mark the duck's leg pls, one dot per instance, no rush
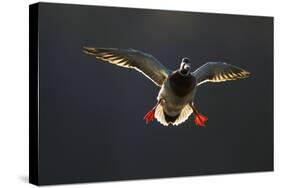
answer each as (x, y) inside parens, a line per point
(198, 117)
(149, 116)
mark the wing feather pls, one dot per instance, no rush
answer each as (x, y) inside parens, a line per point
(218, 72)
(130, 58)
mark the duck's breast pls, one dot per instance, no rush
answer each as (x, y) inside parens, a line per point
(177, 94)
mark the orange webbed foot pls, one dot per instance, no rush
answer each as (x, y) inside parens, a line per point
(200, 119)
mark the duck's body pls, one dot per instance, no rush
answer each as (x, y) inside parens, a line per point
(176, 94)
(175, 100)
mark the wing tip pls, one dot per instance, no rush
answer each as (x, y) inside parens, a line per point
(89, 50)
(245, 73)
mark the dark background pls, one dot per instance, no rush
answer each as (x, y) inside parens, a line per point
(90, 112)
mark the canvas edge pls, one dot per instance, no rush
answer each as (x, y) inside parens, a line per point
(154, 9)
(33, 94)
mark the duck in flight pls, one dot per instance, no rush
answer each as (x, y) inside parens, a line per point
(175, 100)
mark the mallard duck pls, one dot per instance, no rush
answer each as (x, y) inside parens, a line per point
(175, 100)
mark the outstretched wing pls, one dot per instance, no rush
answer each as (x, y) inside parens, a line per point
(218, 72)
(142, 62)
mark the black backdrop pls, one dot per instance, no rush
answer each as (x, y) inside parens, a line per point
(90, 112)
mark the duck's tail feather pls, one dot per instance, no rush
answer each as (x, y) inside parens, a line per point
(166, 119)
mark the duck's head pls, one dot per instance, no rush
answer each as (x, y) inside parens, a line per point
(185, 67)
